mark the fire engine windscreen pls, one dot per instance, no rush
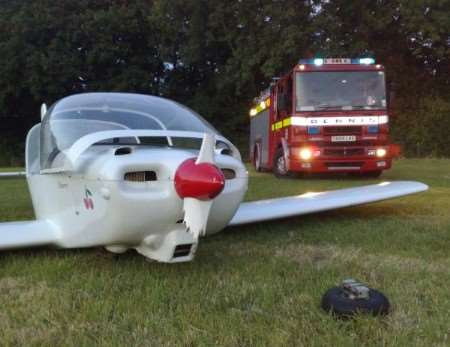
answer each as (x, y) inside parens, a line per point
(340, 90)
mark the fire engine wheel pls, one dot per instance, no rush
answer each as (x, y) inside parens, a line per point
(373, 174)
(279, 165)
(257, 159)
(336, 302)
(368, 174)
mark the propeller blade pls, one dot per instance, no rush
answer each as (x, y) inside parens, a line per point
(198, 183)
(206, 154)
(196, 215)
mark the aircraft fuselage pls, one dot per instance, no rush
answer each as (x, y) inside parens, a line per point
(124, 197)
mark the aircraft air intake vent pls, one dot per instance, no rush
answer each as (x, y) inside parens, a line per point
(122, 151)
(140, 176)
(182, 250)
(229, 174)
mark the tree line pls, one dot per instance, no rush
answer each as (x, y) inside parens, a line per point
(216, 56)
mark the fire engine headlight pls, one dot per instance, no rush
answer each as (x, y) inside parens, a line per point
(305, 153)
(381, 152)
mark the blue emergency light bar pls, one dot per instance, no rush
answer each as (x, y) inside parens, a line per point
(327, 61)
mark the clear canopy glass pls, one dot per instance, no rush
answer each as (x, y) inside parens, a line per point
(76, 116)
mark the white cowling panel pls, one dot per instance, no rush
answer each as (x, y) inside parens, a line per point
(80, 146)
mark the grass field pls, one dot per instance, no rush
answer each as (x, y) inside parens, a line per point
(258, 285)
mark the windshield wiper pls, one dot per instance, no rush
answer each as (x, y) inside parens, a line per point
(359, 107)
(328, 107)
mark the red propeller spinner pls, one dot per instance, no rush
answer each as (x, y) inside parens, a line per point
(203, 181)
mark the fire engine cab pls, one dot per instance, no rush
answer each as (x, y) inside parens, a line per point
(325, 115)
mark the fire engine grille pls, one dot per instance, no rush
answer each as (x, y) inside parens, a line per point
(342, 130)
(343, 152)
(346, 164)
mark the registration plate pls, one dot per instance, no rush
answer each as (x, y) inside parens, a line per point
(346, 138)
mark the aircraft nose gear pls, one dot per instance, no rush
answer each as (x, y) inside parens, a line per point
(353, 297)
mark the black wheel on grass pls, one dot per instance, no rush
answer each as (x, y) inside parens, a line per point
(279, 164)
(336, 302)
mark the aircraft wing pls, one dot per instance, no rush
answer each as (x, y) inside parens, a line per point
(27, 234)
(12, 174)
(262, 210)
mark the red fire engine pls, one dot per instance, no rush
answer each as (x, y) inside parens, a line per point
(325, 115)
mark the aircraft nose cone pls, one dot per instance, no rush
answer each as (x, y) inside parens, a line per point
(202, 181)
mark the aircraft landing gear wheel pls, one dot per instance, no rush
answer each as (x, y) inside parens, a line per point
(279, 165)
(257, 159)
(353, 297)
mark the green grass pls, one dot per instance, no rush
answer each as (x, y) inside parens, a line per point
(258, 285)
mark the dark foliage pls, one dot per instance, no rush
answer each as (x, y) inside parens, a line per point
(215, 56)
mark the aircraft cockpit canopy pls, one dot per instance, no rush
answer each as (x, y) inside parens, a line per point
(76, 116)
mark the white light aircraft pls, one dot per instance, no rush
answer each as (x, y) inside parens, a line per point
(125, 171)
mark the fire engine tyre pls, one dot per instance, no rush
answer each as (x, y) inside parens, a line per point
(257, 159)
(372, 174)
(335, 301)
(279, 164)
(369, 174)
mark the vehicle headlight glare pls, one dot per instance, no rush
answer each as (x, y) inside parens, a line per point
(318, 61)
(367, 61)
(305, 153)
(381, 152)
